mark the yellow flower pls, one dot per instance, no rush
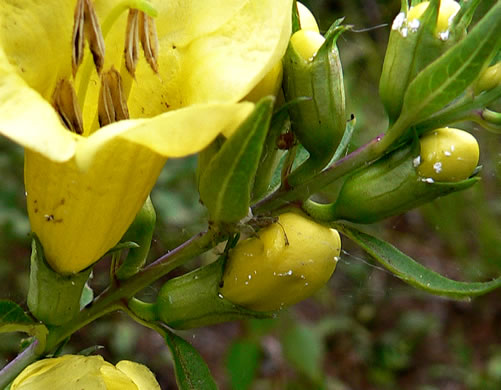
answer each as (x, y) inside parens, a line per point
(288, 262)
(83, 191)
(85, 372)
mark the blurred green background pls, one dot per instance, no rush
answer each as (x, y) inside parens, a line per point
(366, 329)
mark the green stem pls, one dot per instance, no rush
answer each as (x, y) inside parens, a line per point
(115, 297)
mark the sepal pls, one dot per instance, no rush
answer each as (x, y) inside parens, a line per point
(193, 300)
(53, 298)
(318, 122)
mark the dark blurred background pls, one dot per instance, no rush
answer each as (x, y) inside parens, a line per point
(366, 329)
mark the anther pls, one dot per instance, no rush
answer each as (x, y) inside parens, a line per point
(112, 102)
(86, 25)
(66, 104)
(131, 41)
(149, 40)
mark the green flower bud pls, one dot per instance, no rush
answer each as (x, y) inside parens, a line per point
(312, 69)
(405, 178)
(417, 38)
(285, 264)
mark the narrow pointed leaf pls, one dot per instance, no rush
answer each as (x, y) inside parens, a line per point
(414, 273)
(14, 319)
(446, 78)
(226, 184)
(191, 371)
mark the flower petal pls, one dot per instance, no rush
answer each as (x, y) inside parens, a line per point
(29, 120)
(81, 208)
(210, 51)
(227, 64)
(36, 37)
(175, 133)
(65, 372)
(115, 379)
(140, 375)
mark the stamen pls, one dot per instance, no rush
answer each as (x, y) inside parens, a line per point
(149, 39)
(86, 24)
(131, 41)
(94, 35)
(66, 104)
(112, 102)
(78, 37)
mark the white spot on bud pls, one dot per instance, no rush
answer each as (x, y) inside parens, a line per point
(444, 35)
(437, 167)
(220, 295)
(428, 180)
(398, 22)
(404, 31)
(416, 162)
(414, 25)
(447, 153)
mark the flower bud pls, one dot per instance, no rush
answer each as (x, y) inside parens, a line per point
(448, 155)
(448, 9)
(285, 264)
(489, 78)
(405, 178)
(306, 18)
(312, 70)
(84, 372)
(418, 37)
(140, 232)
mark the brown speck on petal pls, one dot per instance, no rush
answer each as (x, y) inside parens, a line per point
(112, 102)
(131, 41)
(149, 40)
(66, 104)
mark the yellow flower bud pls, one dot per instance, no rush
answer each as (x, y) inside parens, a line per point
(306, 18)
(489, 78)
(306, 43)
(85, 372)
(448, 155)
(448, 9)
(287, 263)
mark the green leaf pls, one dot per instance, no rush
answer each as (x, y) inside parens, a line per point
(191, 371)
(242, 363)
(304, 350)
(14, 319)
(414, 273)
(11, 312)
(448, 77)
(226, 184)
